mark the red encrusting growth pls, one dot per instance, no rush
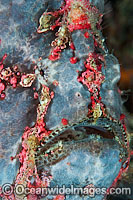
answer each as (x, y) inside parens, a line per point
(8, 76)
(36, 95)
(13, 82)
(55, 54)
(72, 46)
(86, 34)
(73, 60)
(3, 58)
(2, 87)
(92, 77)
(59, 197)
(73, 27)
(2, 96)
(55, 83)
(64, 121)
(122, 118)
(11, 76)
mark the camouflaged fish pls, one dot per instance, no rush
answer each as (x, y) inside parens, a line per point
(77, 133)
(87, 77)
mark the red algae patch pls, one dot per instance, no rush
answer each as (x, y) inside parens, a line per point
(64, 121)
(86, 34)
(73, 60)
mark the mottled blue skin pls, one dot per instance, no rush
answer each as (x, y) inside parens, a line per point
(87, 167)
(109, 90)
(16, 112)
(19, 22)
(66, 103)
(81, 160)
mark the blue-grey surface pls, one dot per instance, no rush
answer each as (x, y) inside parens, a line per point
(16, 112)
(71, 98)
(81, 160)
(18, 25)
(89, 163)
(109, 90)
(19, 21)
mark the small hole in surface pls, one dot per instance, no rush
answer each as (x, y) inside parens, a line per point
(78, 94)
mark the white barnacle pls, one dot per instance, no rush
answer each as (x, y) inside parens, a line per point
(97, 111)
(45, 23)
(27, 80)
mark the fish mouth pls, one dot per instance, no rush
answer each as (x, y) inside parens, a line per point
(62, 141)
(75, 133)
(102, 128)
(94, 130)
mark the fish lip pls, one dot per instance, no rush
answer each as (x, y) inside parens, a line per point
(58, 138)
(97, 130)
(104, 127)
(104, 124)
